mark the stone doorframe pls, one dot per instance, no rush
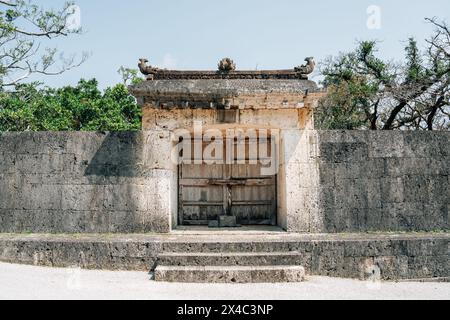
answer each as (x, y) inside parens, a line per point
(274, 133)
(297, 180)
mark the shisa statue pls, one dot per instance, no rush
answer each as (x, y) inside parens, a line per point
(307, 68)
(147, 69)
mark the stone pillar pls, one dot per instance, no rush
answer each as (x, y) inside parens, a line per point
(298, 181)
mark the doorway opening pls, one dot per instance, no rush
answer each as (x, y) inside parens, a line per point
(236, 186)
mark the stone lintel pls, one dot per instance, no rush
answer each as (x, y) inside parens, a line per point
(254, 101)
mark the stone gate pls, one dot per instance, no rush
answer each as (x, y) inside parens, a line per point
(264, 114)
(229, 148)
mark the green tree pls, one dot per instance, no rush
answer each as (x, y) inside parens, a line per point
(366, 92)
(130, 76)
(80, 108)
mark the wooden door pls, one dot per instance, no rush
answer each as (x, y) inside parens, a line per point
(207, 191)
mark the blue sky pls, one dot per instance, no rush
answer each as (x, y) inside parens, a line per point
(263, 34)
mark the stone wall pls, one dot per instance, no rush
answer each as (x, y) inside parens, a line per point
(383, 181)
(85, 182)
(328, 182)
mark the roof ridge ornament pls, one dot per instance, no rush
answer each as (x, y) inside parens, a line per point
(226, 65)
(147, 69)
(227, 70)
(307, 68)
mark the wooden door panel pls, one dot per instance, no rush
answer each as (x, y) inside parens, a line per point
(202, 194)
(252, 193)
(253, 215)
(200, 215)
(196, 171)
(204, 191)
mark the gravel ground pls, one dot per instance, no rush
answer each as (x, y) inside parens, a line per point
(27, 282)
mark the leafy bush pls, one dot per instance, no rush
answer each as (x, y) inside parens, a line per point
(80, 108)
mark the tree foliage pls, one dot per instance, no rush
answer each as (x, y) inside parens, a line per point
(25, 29)
(80, 108)
(130, 76)
(365, 91)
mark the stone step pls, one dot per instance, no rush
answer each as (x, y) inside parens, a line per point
(233, 259)
(230, 274)
(247, 246)
(393, 256)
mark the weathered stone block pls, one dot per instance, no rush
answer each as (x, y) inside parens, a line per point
(392, 190)
(125, 197)
(351, 193)
(227, 222)
(419, 144)
(344, 152)
(83, 197)
(417, 187)
(213, 224)
(41, 163)
(39, 196)
(386, 144)
(7, 161)
(392, 267)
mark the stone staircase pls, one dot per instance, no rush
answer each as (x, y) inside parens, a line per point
(230, 263)
(238, 257)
